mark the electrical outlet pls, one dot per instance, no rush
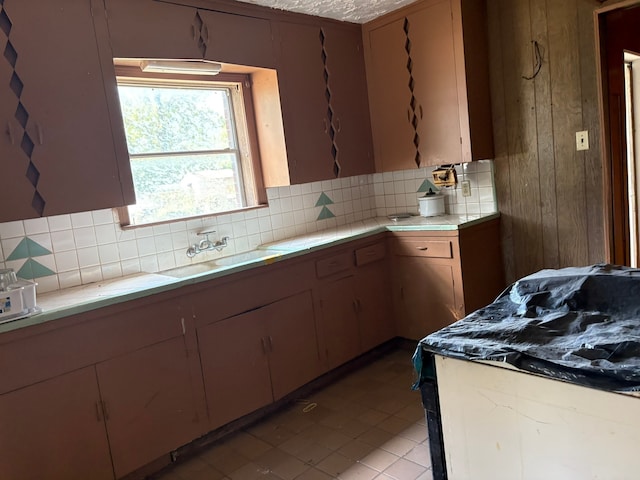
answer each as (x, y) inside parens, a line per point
(466, 188)
(582, 140)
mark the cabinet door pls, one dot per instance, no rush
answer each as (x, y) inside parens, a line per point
(64, 132)
(373, 291)
(339, 321)
(237, 39)
(293, 357)
(151, 29)
(424, 296)
(54, 430)
(304, 103)
(150, 404)
(430, 32)
(390, 98)
(17, 193)
(233, 353)
(347, 86)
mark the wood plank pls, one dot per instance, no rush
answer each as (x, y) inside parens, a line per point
(593, 160)
(544, 128)
(567, 119)
(501, 159)
(521, 136)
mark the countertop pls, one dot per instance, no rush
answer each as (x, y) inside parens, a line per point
(75, 300)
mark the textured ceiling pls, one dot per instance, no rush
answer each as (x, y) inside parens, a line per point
(357, 11)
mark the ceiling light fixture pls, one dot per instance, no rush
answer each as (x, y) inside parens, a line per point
(184, 67)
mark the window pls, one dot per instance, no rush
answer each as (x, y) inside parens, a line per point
(189, 140)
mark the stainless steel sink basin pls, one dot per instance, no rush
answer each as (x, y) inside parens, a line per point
(219, 264)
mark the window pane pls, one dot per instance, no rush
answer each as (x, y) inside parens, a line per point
(170, 187)
(171, 119)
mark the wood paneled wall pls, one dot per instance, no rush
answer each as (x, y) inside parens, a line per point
(550, 195)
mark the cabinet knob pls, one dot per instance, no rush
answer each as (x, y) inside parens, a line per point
(423, 249)
(338, 125)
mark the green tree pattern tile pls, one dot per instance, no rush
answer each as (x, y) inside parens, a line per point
(426, 186)
(325, 213)
(323, 200)
(28, 248)
(32, 270)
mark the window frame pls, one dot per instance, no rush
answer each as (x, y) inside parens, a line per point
(245, 127)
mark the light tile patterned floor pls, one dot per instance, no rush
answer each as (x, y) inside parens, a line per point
(368, 425)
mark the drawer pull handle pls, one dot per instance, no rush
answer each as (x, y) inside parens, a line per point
(423, 249)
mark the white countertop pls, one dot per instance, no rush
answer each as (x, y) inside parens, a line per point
(71, 301)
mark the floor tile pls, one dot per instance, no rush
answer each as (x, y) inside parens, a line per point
(358, 472)
(380, 459)
(314, 474)
(335, 464)
(405, 470)
(399, 446)
(367, 425)
(415, 432)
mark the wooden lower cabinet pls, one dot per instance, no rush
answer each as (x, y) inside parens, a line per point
(340, 328)
(426, 296)
(293, 344)
(107, 393)
(439, 277)
(149, 404)
(355, 302)
(375, 315)
(254, 358)
(234, 367)
(55, 430)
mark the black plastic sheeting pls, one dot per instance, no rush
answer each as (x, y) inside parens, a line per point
(580, 325)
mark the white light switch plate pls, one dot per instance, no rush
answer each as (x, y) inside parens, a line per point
(582, 140)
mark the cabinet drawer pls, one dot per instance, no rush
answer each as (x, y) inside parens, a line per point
(370, 253)
(424, 248)
(334, 264)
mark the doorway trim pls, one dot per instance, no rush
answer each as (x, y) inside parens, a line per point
(612, 253)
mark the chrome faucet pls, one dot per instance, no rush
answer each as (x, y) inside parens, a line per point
(206, 244)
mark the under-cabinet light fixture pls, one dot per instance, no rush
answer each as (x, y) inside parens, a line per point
(188, 67)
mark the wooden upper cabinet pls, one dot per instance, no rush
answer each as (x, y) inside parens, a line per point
(151, 29)
(347, 87)
(237, 39)
(304, 102)
(427, 70)
(63, 155)
(324, 103)
(390, 97)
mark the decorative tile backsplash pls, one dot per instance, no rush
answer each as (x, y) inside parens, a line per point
(69, 250)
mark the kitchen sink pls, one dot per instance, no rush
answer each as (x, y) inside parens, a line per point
(219, 264)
